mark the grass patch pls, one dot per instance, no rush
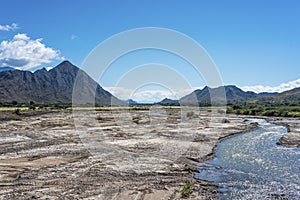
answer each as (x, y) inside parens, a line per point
(186, 191)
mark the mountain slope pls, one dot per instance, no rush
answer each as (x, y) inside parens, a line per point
(235, 94)
(217, 95)
(54, 86)
(131, 102)
(288, 96)
(169, 102)
(267, 94)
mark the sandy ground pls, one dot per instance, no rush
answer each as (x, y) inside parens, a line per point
(110, 155)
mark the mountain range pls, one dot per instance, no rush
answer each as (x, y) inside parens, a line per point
(289, 96)
(221, 95)
(66, 84)
(52, 87)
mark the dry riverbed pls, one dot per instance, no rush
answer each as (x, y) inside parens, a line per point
(110, 155)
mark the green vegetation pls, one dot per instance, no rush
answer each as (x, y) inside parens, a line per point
(261, 107)
(146, 107)
(7, 106)
(186, 191)
(283, 109)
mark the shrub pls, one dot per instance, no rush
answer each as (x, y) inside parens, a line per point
(31, 107)
(186, 191)
(17, 111)
(245, 112)
(294, 114)
(229, 110)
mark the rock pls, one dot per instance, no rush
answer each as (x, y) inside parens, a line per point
(291, 139)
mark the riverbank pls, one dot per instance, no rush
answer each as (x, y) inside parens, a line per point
(253, 166)
(292, 138)
(44, 156)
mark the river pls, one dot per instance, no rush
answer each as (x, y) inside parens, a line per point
(252, 166)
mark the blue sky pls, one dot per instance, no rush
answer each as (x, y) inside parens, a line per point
(253, 43)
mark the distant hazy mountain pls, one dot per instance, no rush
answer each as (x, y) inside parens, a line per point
(131, 102)
(288, 96)
(54, 86)
(208, 95)
(169, 102)
(267, 94)
(231, 92)
(6, 69)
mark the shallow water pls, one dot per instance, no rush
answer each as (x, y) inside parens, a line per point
(252, 166)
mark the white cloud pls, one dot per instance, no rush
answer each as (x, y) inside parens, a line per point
(25, 53)
(11, 27)
(148, 96)
(152, 95)
(20, 36)
(280, 88)
(120, 92)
